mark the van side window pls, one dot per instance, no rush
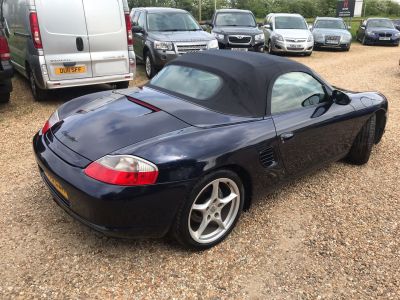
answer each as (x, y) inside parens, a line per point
(296, 90)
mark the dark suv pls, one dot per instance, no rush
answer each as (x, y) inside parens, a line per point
(6, 70)
(162, 34)
(237, 29)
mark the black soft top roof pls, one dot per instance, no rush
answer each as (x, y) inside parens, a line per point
(246, 77)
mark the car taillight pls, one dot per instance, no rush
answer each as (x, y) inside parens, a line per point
(4, 50)
(50, 122)
(129, 29)
(37, 40)
(125, 170)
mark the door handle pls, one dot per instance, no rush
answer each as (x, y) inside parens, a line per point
(286, 136)
(79, 44)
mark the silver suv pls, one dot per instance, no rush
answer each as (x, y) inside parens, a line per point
(288, 33)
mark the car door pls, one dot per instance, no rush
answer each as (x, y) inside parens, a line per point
(140, 37)
(105, 21)
(311, 129)
(65, 39)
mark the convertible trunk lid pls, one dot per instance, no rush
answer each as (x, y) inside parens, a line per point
(101, 126)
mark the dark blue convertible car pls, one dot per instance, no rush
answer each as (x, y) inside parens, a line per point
(182, 155)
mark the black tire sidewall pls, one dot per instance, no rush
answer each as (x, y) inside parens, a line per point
(180, 228)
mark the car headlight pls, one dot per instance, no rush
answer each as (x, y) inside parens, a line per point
(278, 37)
(163, 45)
(218, 36)
(213, 44)
(346, 37)
(310, 38)
(397, 34)
(370, 33)
(259, 37)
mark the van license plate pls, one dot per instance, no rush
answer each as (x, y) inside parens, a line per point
(71, 70)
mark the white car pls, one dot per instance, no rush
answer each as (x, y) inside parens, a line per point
(288, 33)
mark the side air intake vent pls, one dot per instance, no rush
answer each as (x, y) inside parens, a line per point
(267, 157)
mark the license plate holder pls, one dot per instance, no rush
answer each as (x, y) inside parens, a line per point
(70, 70)
(384, 38)
(57, 186)
(239, 49)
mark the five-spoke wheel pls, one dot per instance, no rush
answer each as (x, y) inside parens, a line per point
(212, 212)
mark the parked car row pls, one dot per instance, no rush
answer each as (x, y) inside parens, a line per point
(103, 42)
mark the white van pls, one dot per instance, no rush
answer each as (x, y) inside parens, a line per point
(67, 43)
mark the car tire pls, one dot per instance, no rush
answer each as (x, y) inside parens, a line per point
(5, 97)
(364, 41)
(269, 48)
(121, 85)
(204, 220)
(362, 146)
(346, 49)
(38, 93)
(149, 65)
(307, 53)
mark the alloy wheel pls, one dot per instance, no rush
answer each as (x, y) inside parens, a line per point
(214, 210)
(148, 66)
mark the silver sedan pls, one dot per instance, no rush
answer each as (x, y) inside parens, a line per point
(331, 33)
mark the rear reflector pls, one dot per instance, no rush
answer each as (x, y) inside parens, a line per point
(129, 29)
(124, 170)
(37, 40)
(4, 50)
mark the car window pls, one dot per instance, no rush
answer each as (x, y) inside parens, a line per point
(187, 81)
(235, 19)
(380, 23)
(330, 24)
(296, 90)
(289, 22)
(135, 18)
(176, 21)
(142, 20)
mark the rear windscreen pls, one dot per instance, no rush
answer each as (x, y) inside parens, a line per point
(103, 16)
(188, 82)
(62, 17)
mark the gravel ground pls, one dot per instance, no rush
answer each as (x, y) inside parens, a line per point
(332, 234)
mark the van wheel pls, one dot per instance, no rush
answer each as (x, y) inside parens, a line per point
(38, 93)
(362, 146)
(121, 85)
(4, 97)
(210, 212)
(149, 65)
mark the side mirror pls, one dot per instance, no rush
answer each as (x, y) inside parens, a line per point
(137, 29)
(362, 27)
(340, 98)
(310, 27)
(348, 27)
(267, 26)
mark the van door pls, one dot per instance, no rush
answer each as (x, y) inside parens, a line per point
(65, 40)
(105, 21)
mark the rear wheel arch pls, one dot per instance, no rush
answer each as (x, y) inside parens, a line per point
(244, 176)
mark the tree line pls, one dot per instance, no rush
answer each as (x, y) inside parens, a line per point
(307, 8)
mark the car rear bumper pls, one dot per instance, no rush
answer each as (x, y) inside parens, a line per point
(146, 211)
(51, 84)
